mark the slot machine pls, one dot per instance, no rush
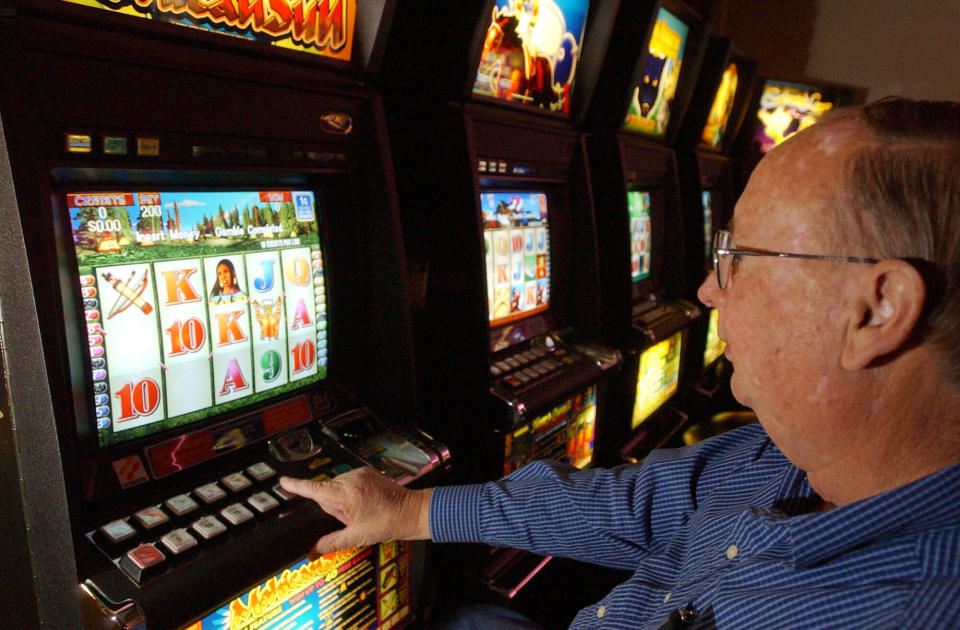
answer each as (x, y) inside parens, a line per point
(202, 206)
(646, 311)
(779, 107)
(499, 222)
(708, 190)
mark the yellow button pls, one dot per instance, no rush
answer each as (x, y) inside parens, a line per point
(732, 552)
(601, 611)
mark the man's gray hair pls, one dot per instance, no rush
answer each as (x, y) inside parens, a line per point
(904, 202)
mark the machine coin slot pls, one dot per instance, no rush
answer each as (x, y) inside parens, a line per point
(294, 447)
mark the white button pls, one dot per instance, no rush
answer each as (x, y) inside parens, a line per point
(601, 611)
(666, 598)
(732, 552)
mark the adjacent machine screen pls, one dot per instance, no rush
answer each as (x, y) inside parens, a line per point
(786, 108)
(649, 110)
(196, 302)
(530, 52)
(706, 200)
(714, 345)
(638, 206)
(657, 378)
(517, 242)
(715, 131)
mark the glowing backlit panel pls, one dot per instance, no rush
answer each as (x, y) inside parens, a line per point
(564, 433)
(517, 242)
(715, 346)
(320, 27)
(657, 378)
(197, 302)
(786, 108)
(530, 52)
(652, 98)
(706, 200)
(638, 205)
(714, 132)
(364, 587)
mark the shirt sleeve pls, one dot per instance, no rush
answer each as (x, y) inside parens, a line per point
(613, 517)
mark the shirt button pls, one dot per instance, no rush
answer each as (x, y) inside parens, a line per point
(601, 611)
(666, 598)
(732, 552)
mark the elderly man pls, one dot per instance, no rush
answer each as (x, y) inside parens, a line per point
(837, 287)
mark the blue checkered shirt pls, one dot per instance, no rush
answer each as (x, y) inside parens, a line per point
(725, 528)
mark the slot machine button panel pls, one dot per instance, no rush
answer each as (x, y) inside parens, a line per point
(210, 493)
(116, 534)
(181, 505)
(236, 482)
(513, 381)
(178, 542)
(236, 515)
(261, 471)
(208, 527)
(282, 494)
(143, 562)
(262, 502)
(150, 518)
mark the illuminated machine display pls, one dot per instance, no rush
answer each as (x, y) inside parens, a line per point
(707, 178)
(641, 223)
(216, 257)
(778, 107)
(509, 307)
(505, 238)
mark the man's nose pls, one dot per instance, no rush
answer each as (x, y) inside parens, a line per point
(709, 289)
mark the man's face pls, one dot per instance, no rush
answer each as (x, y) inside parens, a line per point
(784, 319)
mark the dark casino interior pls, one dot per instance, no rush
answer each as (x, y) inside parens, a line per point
(245, 239)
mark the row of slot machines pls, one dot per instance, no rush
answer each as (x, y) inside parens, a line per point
(561, 168)
(298, 237)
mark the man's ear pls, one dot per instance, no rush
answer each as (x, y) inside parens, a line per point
(887, 303)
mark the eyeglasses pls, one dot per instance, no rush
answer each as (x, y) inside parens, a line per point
(724, 256)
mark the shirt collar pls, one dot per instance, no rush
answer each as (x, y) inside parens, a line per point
(922, 504)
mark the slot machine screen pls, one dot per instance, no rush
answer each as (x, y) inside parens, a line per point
(649, 110)
(530, 52)
(641, 235)
(714, 345)
(318, 28)
(516, 238)
(706, 200)
(715, 130)
(196, 303)
(786, 108)
(657, 378)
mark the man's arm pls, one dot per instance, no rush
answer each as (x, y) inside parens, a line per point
(612, 517)
(373, 508)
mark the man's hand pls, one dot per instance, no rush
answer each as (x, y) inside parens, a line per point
(373, 508)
